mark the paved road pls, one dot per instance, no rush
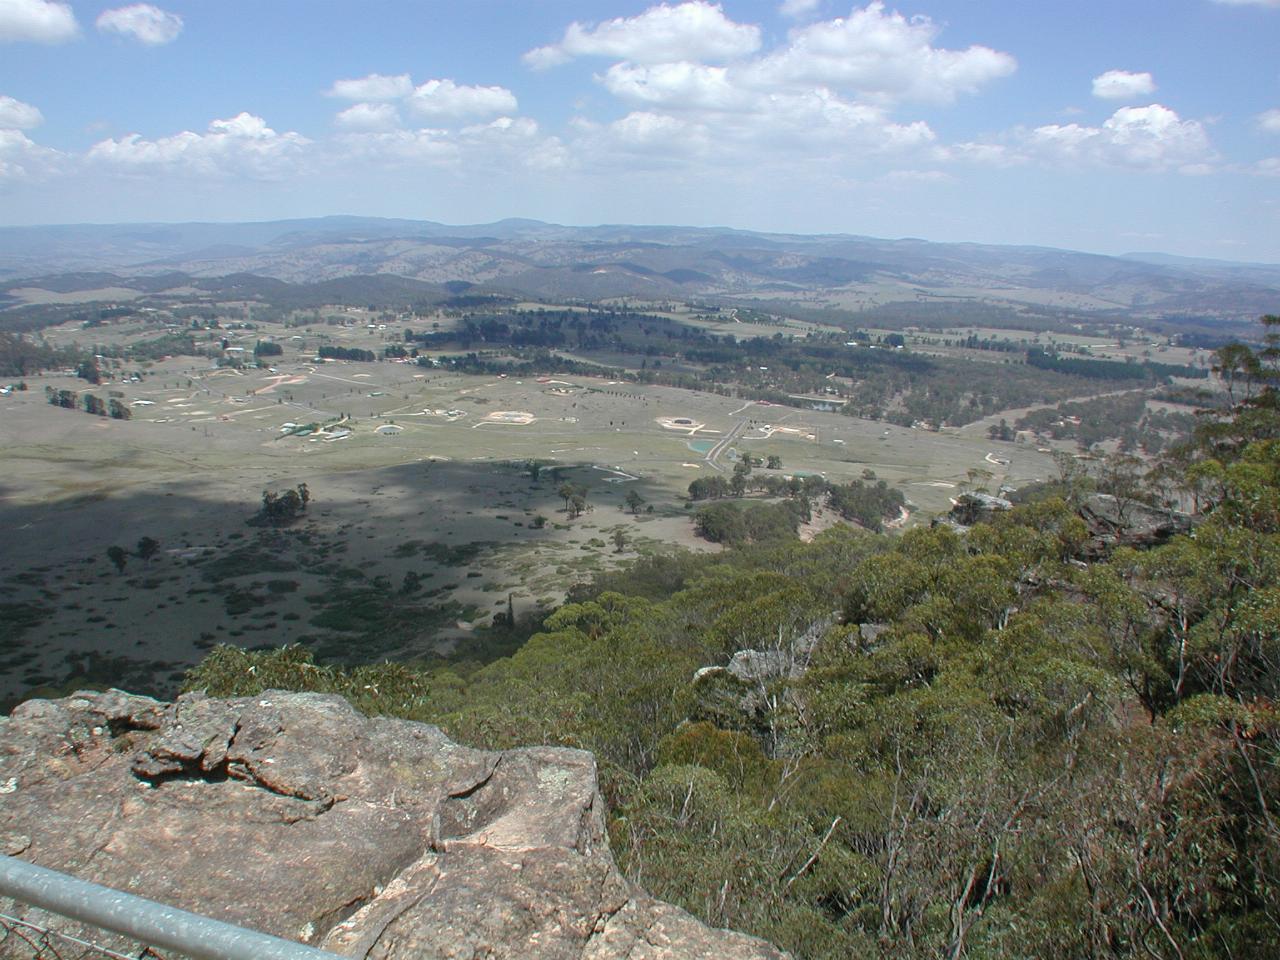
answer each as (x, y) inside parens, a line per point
(722, 445)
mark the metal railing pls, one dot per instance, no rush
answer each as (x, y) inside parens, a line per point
(145, 921)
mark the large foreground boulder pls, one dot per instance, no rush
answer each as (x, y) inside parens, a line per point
(295, 815)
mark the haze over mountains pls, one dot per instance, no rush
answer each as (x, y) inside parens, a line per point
(531, 258)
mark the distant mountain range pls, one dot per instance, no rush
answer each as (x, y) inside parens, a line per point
(534, 259)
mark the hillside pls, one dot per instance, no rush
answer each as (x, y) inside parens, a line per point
(530, 258)
(1045, 729)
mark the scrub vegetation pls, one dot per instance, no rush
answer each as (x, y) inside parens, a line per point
(990, 741)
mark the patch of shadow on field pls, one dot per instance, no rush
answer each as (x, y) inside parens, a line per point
(381, 565)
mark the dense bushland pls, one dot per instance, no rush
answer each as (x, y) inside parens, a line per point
(960, 744)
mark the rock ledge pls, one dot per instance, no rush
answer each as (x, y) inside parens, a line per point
(295, 815)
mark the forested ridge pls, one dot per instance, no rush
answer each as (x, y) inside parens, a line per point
(960, 743)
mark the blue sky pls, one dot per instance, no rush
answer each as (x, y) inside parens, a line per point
(1108, 127)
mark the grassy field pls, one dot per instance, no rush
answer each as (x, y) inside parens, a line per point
(424, 522)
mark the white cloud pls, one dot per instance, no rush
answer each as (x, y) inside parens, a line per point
(815, 126)
(243, 145)
(1269, 121)
(911, 178)
(659, 131)
(498, 145)
(694, 31)
(984, 154)
(40, 21)
(1123, 85)
(678, 86)
(1149, 138)
(882, 56)
(21, 159)
(436, 100)
(502, 129)
(16, 115)
(822, 97)
(375, 87)
(796, 9)
(369, 116)
(444, 98)
(821, 119)
(398, 147)
(142, 22)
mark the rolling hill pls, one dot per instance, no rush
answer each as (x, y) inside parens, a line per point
(535, 259)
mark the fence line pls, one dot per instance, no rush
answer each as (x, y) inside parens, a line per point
(140, 919)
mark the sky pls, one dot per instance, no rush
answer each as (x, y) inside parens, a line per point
(1127, 125)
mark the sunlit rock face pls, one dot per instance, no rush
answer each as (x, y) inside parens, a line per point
(295, 815)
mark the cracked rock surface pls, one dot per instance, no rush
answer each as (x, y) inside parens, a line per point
(293, 814)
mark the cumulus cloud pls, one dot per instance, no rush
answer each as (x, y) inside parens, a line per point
(695, 31)
(38, 21)
(882, 56)
(243, 145)
(678, 86)
(813, 125)
(444, 98)
(438, 101)
(369, 116)
(1269, 121)
(142, 22)
(401, 147)
(1123, 85)
(497, 145)
(983, 154)
(644, 130)
(798, 8)
(16, 115)
(22, 159)
(373, 88)
(822, 96)
(1148, 138)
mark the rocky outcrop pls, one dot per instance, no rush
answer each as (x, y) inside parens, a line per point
(748, 685)
(972, 508)
(1116, 522)
(1111, 521)
(293, 814)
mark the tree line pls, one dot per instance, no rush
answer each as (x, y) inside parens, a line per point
(112, 407)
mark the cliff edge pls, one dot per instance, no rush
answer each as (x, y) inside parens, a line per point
(295, 815)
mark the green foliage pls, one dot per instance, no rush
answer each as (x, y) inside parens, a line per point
(118, 557)
(147, 548)
(945, 744)
(736, 524)
(20, 357)
(1109, 369)
(868, 504)
(329, 352)
(281, 509)
(386, 688)
(16, 619)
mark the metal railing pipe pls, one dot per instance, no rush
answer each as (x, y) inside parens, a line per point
(148, 922)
